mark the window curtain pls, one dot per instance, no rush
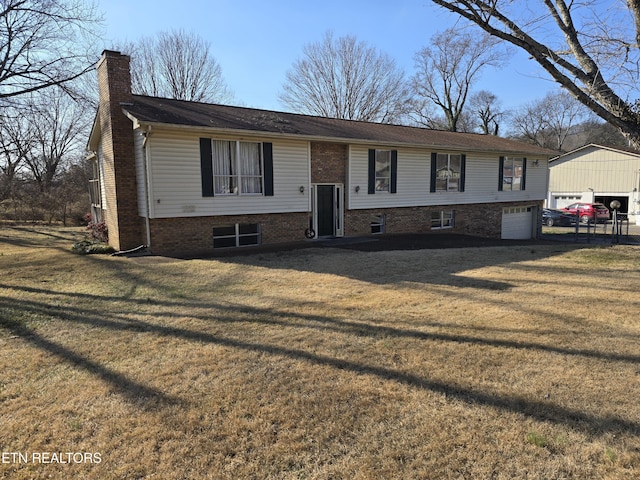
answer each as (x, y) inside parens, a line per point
(250, 168)
(224, 160)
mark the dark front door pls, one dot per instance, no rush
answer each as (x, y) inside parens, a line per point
(326, 210)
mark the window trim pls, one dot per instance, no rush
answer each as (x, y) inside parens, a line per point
(236, 173)
(207, 171)
(378, 224)
(446, 220)
(386, 163)
(434, 172)
(503, 163)
(393, 171)
(237, 235)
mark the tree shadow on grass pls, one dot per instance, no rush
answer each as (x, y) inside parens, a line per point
(119, 320)
(137, 393)
(38, 234)
(144, 396)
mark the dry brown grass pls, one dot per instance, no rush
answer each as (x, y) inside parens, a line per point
(502, 362)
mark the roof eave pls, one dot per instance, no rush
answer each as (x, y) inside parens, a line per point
(137, 123)
(594, 145)
(94, 135)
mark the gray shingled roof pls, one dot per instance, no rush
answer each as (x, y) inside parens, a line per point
(152, 110)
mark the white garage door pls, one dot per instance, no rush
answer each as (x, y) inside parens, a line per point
(517, 223)
(561, 201)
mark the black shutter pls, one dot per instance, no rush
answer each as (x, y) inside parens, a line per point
(394, 171)
(372, 172)
(206, 167)
(267, 161)
(463, 169)
(500, 173)
(434, 161)
(524, 174)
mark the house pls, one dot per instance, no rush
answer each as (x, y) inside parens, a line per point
(596, 173)
(191, 178)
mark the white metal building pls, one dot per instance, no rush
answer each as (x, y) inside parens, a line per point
(596, 173)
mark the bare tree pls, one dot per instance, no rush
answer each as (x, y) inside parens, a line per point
(60, 129)
(16, 141)
(344, 78)
(530, 124)
(486, 106)
(548, 122)
(177, 65)
(593, 54)
(595, 130)
(45, 43)
(446, 70)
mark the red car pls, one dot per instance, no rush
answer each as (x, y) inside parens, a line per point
(589, 212)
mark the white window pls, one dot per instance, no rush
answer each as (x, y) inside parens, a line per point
(237, 167)
(442, 219)
(377, 225)
(513, 174)
(383, 170)
(448, 168)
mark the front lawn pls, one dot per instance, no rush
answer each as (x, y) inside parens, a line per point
(496, 362)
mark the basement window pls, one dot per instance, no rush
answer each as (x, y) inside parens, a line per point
(237, 235)
(442, 219)
(377, 225)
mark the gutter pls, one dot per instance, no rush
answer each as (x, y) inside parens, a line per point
(145, 151)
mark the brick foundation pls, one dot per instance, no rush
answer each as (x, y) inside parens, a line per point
(482, 220)
(187, 236)
(192, 236)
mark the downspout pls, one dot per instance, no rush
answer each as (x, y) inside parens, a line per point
(145, 158)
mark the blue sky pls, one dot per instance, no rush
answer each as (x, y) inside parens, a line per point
(256, 42)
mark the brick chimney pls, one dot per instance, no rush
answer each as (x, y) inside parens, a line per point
(118, 154)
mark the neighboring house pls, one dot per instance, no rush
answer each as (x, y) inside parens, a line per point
(596, 173)
(189, 178)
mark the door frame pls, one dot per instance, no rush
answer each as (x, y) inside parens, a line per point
(338, 207)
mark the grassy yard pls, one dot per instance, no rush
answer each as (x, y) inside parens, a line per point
(476, 363)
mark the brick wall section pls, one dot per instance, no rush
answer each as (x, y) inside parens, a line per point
(328, 163)
(194, 235)
(190, 236)
(121, 215)
(482, 220)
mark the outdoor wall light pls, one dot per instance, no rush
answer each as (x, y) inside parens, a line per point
(301, 188)
(357, 188)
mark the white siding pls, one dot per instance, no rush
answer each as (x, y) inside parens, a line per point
(103, 190)
(177, 188)
(413, 180)
(138, 139)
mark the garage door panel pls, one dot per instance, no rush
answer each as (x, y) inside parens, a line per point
(517, 223)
